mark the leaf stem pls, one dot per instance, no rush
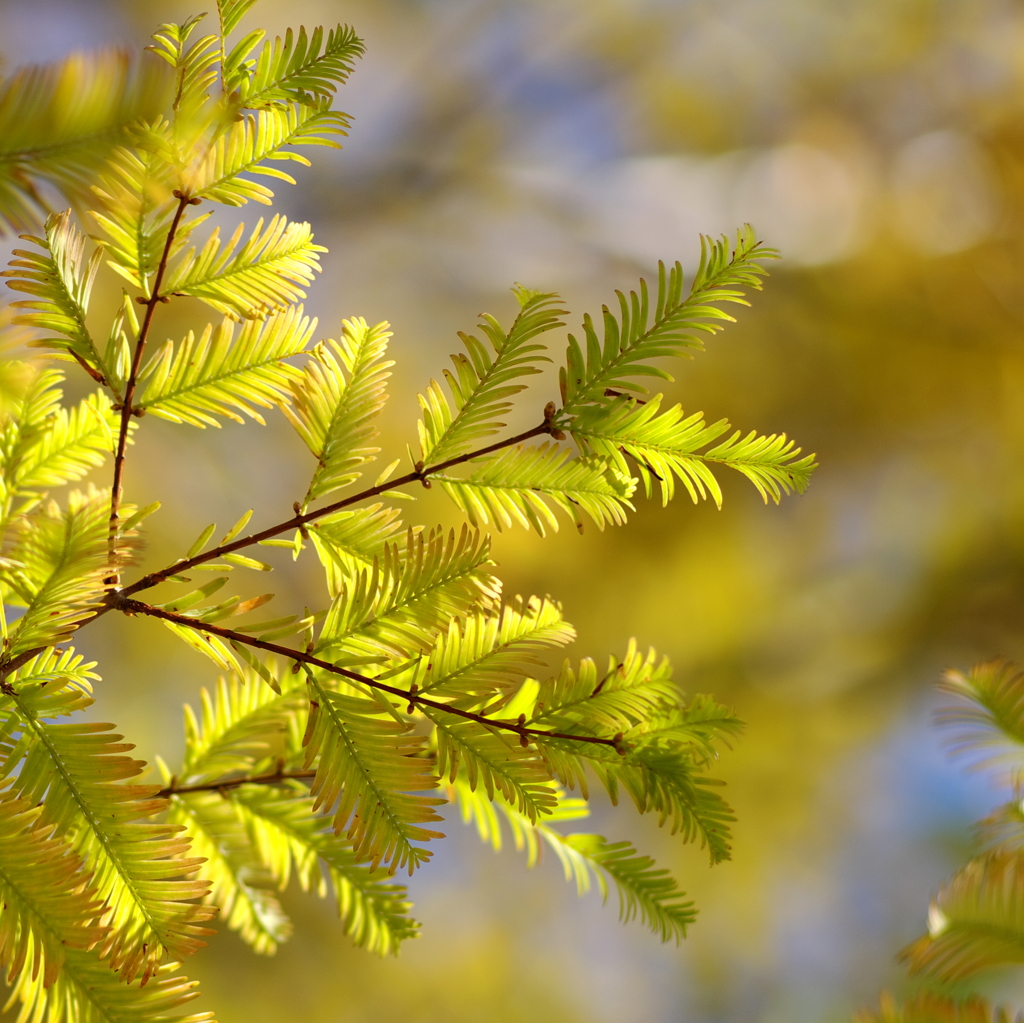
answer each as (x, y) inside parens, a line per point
(128, 606)
(130, 383)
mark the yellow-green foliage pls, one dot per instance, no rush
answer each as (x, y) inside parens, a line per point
(324, 760)
(976, 920)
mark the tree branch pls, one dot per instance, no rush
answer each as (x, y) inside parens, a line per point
(221, 784)
(419, 475)
(154, 578)
(122, 603)
(133, 376)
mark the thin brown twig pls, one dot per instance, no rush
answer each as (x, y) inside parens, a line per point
(221, 784)
(417, 476)
(421, 475)
(130, 383)
(411, 698)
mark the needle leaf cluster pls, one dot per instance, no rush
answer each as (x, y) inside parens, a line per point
(335, 733)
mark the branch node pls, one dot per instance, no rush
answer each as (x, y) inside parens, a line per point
(549, 426)
(524, 738)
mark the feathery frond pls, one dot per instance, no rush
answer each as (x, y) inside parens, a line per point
(660, 778)
(43, 444)
(635, 696)
(77, 771)
(58, 577)
(988, 718)
(199, 379)
(664, 742)
(44, 907)
(31, 404)
(520, 484)
(87, 991)
(481, 384)
(288, 835)
(301, 68)
(347, 541)
(340, 393)
(137, 207)
(675, 325)
(397, 607)
(250, 143)
(250, 281)
(60, 281)
(241, 887)
(667, 446)
(231, 13)
(238, 730)
(486, 815)
(256, 837)
(370, 778)
(770, 463)
(485, 653)
(975, 922)
(494, 762)
(59, 122)
(75, 440)
(194, 65)
(241, 727)
(643, 890)
(628, 694)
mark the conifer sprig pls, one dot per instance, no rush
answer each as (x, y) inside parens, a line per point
(44, 909)
(643, 890)
(675, 325)
(248, 281)
(76, 771)
(61, 280)
(482, 384)
(299, 68)
(134, 607)
(335, 402)
(417, 675)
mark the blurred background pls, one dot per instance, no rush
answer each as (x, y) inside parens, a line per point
(568, 145)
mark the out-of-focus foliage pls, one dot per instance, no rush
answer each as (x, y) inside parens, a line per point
(60, 122)
(928, 1008)
(975, 920)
